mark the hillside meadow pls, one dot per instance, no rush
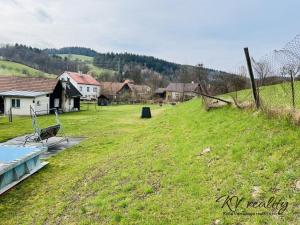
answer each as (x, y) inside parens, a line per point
(95, 70)
(277, 96)
(154, 171)
(13, 68)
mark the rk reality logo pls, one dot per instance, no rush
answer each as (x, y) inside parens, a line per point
(233, 203)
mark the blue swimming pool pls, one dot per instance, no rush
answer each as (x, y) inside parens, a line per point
(9, 153)
(18, 163)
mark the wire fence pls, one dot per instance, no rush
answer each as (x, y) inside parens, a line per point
(277, 79)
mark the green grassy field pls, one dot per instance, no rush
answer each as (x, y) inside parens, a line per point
(95, 70)
(8, 68)
(133, 171)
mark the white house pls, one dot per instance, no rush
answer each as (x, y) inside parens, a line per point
(18, 94)
(20, 101)
(88, 86)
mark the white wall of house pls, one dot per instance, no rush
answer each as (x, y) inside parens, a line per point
(40, 103)
(24, 108)
(88, 91)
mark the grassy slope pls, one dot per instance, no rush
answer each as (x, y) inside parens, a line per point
(278, 95)
(96, 71)
(12, 68)
(134, 171)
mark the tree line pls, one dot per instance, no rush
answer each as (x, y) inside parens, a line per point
(71, 50)
(116, 61)
(141, 69)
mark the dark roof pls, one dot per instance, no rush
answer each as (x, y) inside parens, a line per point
(182, 87)
(72, 91)
(103, 96)
(14, 83)
(160, 90)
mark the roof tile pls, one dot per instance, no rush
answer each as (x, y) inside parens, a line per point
(83, 78)
(9, 83)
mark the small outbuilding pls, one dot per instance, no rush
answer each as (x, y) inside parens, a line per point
(160, 93)
(103, 100)
(17, 94)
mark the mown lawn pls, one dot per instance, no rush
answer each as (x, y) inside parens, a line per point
(133, 171)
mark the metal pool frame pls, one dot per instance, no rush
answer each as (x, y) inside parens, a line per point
(19, 169)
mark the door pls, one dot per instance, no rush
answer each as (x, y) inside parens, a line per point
(1, 105)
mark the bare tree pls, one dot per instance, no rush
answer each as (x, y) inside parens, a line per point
(262, 71)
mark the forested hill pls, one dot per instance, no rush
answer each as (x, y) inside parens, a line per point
(116, 61)
(119, 60)
(71, 50)
(53, 61)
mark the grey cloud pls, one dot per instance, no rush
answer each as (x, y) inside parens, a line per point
(210, 31)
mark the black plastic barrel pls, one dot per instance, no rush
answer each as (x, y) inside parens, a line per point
(146, 112)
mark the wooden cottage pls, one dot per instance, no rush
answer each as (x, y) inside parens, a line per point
(160, 94)
(176, 92)
(123, 92)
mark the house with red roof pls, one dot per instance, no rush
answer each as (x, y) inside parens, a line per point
(88, 86)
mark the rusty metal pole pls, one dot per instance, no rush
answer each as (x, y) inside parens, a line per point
(254, 90)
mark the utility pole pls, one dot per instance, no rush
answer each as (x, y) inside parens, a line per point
(254, 90)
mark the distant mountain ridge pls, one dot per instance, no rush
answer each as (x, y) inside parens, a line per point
(115, 61)
(71, 50)
(119, 66)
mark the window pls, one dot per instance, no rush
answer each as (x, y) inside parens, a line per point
(56, 102)
(95, 89)
(15, 103)
(80, 88)
(38, 103)
(88, 89)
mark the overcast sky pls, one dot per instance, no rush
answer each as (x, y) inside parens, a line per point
(212, 32)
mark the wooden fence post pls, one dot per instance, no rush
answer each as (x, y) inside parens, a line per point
(10, 115)
(254, 90)
(293, 89)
